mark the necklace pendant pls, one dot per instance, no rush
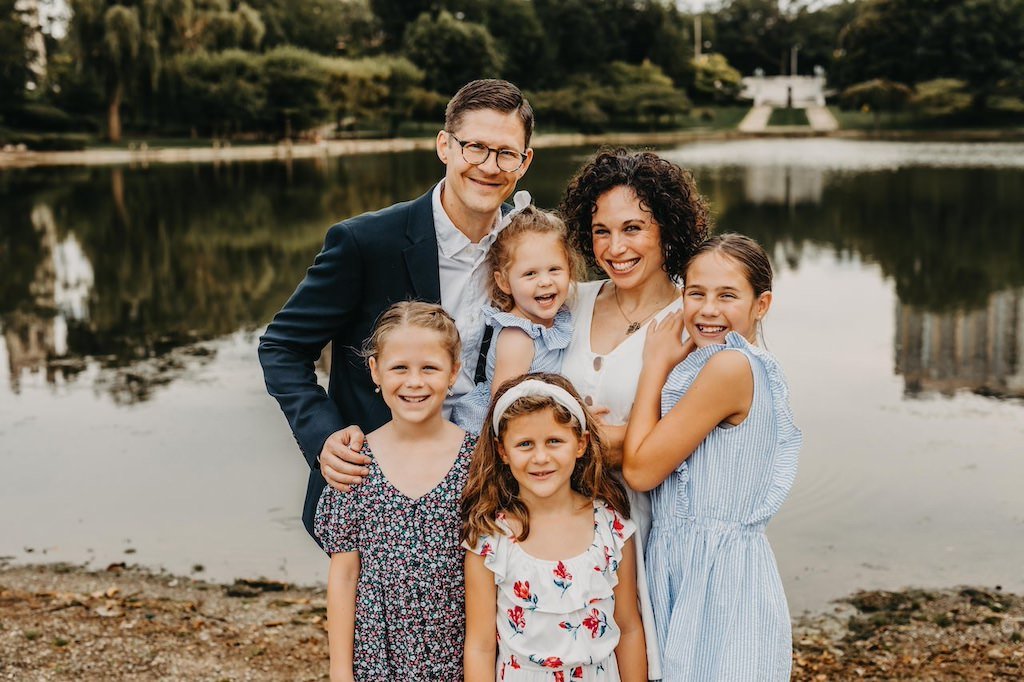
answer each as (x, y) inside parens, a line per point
(633, 326)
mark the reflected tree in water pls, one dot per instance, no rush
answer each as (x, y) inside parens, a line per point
(951, 240)
(180, 254)
(186, 253)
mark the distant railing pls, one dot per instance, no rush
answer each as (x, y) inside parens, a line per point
(785, 91)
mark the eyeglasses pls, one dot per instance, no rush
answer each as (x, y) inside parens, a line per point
(476, 153)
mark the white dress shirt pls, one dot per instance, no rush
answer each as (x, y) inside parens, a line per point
(462, 266)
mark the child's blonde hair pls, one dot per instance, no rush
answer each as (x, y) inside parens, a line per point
(531, 220)
(493, 490)
(414, 314)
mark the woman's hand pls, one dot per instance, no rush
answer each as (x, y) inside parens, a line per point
(664, 347)
(612, 435)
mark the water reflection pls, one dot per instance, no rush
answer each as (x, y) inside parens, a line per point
(979, 350)
(125, 268)
(951, 239)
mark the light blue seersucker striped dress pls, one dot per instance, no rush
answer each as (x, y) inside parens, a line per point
(720, 610)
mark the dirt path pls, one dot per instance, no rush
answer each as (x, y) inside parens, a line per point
(59, 622)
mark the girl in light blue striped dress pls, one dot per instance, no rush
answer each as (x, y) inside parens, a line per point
(712, 435)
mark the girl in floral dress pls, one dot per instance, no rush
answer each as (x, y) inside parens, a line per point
(395, 589)
(550, 548)
(532, 266)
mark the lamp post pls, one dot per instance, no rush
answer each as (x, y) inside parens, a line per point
(696, 36)
(792, 59)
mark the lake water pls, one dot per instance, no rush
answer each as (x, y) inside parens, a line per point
(134, 425)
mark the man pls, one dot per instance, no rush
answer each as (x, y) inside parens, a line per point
(432, 248)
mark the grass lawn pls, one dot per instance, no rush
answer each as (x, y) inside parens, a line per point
(788, 117)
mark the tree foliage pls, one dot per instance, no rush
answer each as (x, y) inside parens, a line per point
(125, 44)
(325, 26)
(978, 41)
(451, 51)
(14, 55)
(941, 97)
(715, 79)
(877, 96)
(269, 65)
(630, 96)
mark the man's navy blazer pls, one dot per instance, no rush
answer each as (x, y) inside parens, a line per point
(367, 263)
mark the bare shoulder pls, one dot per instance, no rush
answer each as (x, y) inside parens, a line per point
(514, 338)
(728, 365)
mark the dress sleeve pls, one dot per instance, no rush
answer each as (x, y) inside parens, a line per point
(337, 520)
(494, 549)
(613, 529)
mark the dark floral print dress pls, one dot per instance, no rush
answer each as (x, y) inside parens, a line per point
(410, 599)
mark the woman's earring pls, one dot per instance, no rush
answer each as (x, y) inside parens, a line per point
(451, 390)
(376, 389)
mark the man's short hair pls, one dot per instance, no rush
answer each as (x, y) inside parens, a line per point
(489, 93)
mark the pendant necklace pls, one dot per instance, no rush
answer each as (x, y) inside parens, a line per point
(633, 327)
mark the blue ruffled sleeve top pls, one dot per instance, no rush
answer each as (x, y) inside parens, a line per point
(549, 344)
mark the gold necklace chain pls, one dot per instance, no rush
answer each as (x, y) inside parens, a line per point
(632, 327)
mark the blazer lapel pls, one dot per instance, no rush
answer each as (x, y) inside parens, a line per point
(421, 254)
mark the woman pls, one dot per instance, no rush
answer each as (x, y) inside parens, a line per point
(638, 218)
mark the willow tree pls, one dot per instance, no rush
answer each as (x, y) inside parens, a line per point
(126, 42)
(118, 42)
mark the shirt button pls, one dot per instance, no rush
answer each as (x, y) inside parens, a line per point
(598, 363)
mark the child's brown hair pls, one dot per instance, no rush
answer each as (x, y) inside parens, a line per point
(414, 314)
(492, 489)
(531, 220)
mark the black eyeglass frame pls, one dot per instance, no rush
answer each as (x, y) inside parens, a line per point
(497, 154)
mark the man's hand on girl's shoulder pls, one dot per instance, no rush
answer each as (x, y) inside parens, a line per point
(341, 463)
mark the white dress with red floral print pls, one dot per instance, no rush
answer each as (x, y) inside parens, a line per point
(556, 618)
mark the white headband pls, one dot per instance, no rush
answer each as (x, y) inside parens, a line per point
(533, 387)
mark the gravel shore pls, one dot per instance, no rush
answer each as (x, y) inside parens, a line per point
(62, 622)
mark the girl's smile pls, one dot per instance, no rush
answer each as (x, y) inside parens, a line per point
(719, 299)
(537, 278)
(541, 453)
(414, 371)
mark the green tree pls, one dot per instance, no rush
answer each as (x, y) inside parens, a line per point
(521, 38)
(14, 55)
(451, 52)
(876, 95)
(372, 89)
(576, 36)
(124, 44)
(325, 26)
(120, 57)
(295, 82)
(644, 96)
(221, 92)
(978, 41)
(753, 34)
(941, 97)
(715, 79)
(671, 44)
(396, 16)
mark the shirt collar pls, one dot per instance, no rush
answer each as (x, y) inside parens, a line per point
(451, 240)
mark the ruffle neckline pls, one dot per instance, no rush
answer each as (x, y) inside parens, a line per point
(555, 337)
(584, 578)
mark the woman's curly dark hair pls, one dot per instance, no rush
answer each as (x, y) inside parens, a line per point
(664, 189)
